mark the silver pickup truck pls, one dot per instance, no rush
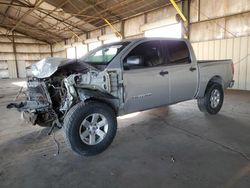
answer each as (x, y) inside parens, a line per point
(84, 96)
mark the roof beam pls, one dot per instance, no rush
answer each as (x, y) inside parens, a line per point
(100, 8)
(26, 34)
(100, 13)
(45, 33)
(22, 5)
(14, 4)
(79, 12)
(50, 15)
(50, 12)
(37, 4)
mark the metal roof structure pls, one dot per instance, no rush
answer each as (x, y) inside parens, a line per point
(55, 20)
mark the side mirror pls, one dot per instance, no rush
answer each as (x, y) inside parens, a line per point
(131, 61)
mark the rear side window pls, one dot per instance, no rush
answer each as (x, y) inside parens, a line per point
(177, 52)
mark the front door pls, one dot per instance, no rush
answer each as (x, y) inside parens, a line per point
(146, 78)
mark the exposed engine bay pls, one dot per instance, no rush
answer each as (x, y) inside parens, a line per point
(59, 83)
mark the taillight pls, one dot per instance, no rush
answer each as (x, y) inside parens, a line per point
(232, 67)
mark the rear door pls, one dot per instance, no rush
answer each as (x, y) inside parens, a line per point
(183, 72)
(146, 84)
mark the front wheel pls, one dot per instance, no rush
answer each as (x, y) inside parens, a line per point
(213, 100)
(90, 128)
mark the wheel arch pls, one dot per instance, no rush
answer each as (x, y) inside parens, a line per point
(87, 95)
(215, 79)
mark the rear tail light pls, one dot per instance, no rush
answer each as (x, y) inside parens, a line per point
(232, 67)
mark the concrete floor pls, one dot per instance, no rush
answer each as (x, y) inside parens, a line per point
(174, 146)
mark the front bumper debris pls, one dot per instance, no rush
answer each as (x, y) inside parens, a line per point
(37, 109)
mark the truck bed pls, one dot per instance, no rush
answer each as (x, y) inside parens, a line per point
(220, 69)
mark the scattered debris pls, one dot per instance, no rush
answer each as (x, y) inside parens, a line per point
(56, 142)
(172, 159)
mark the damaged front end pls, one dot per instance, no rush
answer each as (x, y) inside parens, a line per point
(38, 107)
(56, 87)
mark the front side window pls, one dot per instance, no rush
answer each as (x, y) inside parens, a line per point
(147, 54)
(105, 54)
(177, 52)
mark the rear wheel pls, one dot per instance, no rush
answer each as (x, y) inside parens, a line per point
(213, 100)
(90, 128)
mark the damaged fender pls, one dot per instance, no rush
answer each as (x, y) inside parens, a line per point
(92, 94)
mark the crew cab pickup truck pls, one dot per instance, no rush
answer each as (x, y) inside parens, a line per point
(84, 96)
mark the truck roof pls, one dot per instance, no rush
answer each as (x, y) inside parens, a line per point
(153, 38)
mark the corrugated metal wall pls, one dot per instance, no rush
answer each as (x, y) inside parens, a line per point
(28, 51)
(237, 49)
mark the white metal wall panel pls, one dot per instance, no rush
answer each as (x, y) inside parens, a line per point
(243, 62)
(237, 49)
(195, 47)
(223, 49)
(236, 60)
(205, 50)
(21, 69)
(229, 46)
(12, 69)
(217, 49)
(248, 66)
(210, 50)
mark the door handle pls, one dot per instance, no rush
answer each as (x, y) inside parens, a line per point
(162, 73)
(192, 69)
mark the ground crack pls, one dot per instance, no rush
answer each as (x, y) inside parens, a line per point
(242, 154)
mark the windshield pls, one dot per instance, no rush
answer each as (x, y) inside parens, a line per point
(104, 54)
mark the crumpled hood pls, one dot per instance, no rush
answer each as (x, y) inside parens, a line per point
(48, 66)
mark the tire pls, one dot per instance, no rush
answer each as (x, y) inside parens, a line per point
(206, 105)
(82, 127)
